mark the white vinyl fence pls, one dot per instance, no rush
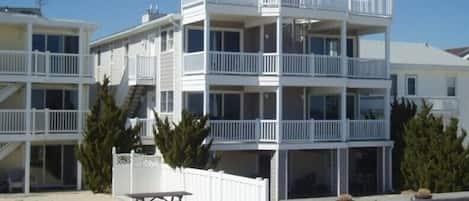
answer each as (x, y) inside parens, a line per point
(137, 173)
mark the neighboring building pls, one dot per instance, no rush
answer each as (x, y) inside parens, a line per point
(45, 76)
(289, 95)
(462, 52)
(421, 72)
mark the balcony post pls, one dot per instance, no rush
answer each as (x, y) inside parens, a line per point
(206, 93)
(279, 44)
(46, 121)
(343, 48)
(27, 166)
(261, 46)
(387, 113)
(47, 66)
(387, 38)
(81, 48)
(279, 109)
(29, 48)
(311, 130)
(258, 130)
(343, 113)
(206, 43)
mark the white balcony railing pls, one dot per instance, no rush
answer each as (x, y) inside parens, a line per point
(142, 68)
(146, 129)
(361, 7)
(444, 104)
(13, 122)
(239, 63)
(45, 64)
(296, 130)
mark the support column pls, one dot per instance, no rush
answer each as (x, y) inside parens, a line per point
(206, 43)
(279, 175)
(279, 111)
(206, 93)
(279, 44)
(81, 52)
(27, 166)
(261, 38)
(387, 113)
(387, 47)
(342, 171)
(343, 47)
(343, 113)
(80, 130)
(29, 47)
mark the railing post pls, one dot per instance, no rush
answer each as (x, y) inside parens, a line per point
(258, 130)
(47, 65)
(260, 63)
(33, 120)
(36, 55)
(131, 175)
(47, 121)
(312, 65)
(311, 130)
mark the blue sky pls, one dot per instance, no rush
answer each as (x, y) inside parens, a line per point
(442, 23)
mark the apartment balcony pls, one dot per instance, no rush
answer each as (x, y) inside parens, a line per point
(378, 8)
(240, 63)
(14, 66)
(293, 131)
(14, 123)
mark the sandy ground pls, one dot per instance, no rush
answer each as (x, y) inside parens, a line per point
(58, 196)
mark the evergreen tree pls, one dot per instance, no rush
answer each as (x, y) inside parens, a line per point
(182, 145)
(402, 111)
(105, 128)
(434, 155)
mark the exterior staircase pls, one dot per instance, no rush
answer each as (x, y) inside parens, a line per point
(7, 148)
(8, 90)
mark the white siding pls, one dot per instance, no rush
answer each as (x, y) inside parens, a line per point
(167, 71)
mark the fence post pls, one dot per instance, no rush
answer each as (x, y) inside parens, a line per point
(210, 185)
(221, 184)
(266, 190)
(131, 168)
(113, 190)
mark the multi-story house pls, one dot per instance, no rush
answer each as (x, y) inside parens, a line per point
(45, 77)
(420, 72)
(289, 95)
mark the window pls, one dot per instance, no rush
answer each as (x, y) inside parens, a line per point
(329, 46)
(451, 83)
(167, 103)
(56, 43)
(195, 41)
(411, 85)
(54, 99)
(167, 40)
(394, 85)
(228, 41)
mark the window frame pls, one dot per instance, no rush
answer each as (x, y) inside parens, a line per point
(220, 29)
(411, 76)
(167, 102)
(167, 43)
(394, 85)
(63, 40)
(451, 79)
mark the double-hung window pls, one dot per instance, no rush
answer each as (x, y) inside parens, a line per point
(451, 86)
(167, 40)
(167, 103)
(394, 85)
(411, 85)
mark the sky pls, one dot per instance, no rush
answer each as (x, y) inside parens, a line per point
(441, 23)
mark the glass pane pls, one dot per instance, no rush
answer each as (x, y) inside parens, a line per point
(216, 106)
(53, 164)
(195, 41)
(351, 107)
(215, 41)
(350, 47)
(170, 101)
(163, 101)
(71, 100)
(332, 47)
(394, 85)
(54, 99)
(70, 165)
(39, 42)
(232, 107)
(451, 86)
(411, 86)
(251, 106)
(55, 43)
(163, 40)
(270, 105)
(231, 41)
(332, 107)
(372, 106)
(316, 107)
(317, 45)
(71, 44)
(37, 99)
(195, 103)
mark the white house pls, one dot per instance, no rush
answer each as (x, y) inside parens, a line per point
(421, 72)
(289, 95)
(45, 76)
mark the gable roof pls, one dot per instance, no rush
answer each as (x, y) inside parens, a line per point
(412, 54)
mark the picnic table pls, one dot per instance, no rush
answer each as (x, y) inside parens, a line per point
(159, 195)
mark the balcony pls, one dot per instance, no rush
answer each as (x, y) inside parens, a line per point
(142, 69)
(42, 122)
(238, 63)
(442, 104)
(46, 65)
(379, 8)
(265, 131)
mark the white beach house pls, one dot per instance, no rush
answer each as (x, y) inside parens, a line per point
(45, 77)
